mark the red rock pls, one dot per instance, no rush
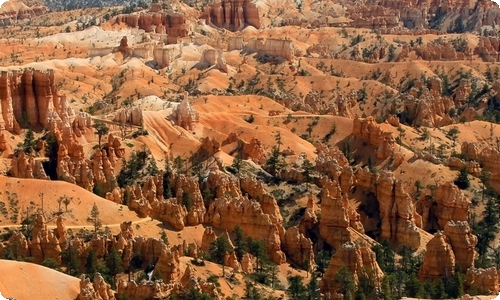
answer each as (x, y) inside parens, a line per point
(232, 14)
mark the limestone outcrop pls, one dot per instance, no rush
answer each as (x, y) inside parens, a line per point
(132, 116)
(173, 24)
(253, 150)
(400, 221)
(396, 16)
(168, 265)
(483, 279)
(185, 209)
(274, 47)
(18, 11)
(232, 14)
(488, 49)
(463, 243)
(424, 104)
(27, 98)
(95, 289)
(439, 259)
(185, 115)
(298, 248)
(208, 237)
(23, 166)
(452, 205)
(143, 290)
(214, 58)
(369, 131)
(489, 158)
(337, 217)
(165, 55)
(359, 261)
(259, 218)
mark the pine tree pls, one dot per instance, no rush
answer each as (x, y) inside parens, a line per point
(100, 129)
(94, 217)
(345, 283)
(296, 289)
(239, 242)
(114, 264)
(218, 250)
(257, 249)
(91, 264)
(313, 288)
(307, 166)
(413, 287)
(275, 163)
(29, 143)
(322, 259)
(186, 200)
(462, 180)
(251, 293)
(439, 290)
(69, 257)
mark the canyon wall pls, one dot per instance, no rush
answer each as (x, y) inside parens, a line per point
(174, 25)
(233, 15)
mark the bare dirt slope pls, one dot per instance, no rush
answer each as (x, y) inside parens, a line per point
(20, 194)
(30, 281)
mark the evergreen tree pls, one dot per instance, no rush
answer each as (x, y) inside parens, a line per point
(100, 129)
(164, 237)
(257, 249)
(313, 288)
(51, 152)
(251, 293)
(275, 163)
(344, 282)
(69, 257)
(307, 166)
(239, 242)
(439, 291)
(322, 259)
(455, 287)
(114, 264)
(296, 289)
(488, 227)
(29, 143)
(366, 285)
(462, 180)
(218, 250)
(94, 217)
(386, 290)
(238, 159)
(91, 264)
(413, 287)
(167, 181)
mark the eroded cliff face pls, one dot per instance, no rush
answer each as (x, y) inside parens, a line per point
(257, 214)
(439, 259)
(28, 98)
(400, 221)
(16, 11)
(232, 14)
(488, 158)
(174, 25)
(423, 15)
(358, 260)
(338, 219)
(369, 131)
(483, 279)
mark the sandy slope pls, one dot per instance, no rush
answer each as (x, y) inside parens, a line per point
(31, 281)
(28, 190)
